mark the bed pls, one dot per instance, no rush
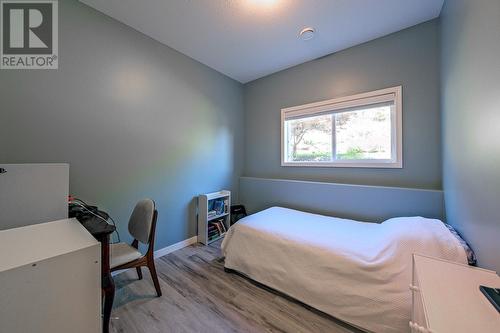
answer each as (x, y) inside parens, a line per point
(355, 271)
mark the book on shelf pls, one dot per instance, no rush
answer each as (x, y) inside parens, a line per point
(219, 229)
(212, 237)
(216, 228)
(219, 206)
(223, 226)
(220, 224)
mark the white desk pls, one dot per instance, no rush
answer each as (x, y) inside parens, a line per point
(50, 279)
(447, 299)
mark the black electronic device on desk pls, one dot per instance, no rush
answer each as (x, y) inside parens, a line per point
(93, 219)
(493, 295)
(96, 223)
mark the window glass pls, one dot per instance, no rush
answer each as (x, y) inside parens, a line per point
(310, 138)
(363, 134)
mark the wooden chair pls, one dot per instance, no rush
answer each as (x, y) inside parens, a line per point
(142, 226)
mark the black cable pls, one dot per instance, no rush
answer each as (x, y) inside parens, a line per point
(116, 229)
(84, 205)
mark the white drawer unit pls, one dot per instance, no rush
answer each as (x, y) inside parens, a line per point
(50, 279)
(446, 298)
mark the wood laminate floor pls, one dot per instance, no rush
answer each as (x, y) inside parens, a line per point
(198, 296)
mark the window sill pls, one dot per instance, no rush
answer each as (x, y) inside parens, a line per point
(347, 164)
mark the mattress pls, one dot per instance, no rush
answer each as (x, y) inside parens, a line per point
(358, 272)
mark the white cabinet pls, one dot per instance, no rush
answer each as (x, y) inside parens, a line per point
(33, 193)
(50, 279)
(446, 298)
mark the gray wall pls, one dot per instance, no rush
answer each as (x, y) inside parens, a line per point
(365, 203)
(133, 118)
(409, 58)
(471, 123)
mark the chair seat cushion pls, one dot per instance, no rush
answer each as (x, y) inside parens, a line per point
(122, 253)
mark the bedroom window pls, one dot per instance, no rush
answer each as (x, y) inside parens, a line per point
(363, 130)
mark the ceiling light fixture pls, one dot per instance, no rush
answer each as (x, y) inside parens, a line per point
(307, 33)
(264, 2)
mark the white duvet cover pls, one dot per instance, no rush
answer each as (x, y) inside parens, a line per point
(355, 271)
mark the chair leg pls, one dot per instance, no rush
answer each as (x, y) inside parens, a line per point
(154, 276)
(139, 272)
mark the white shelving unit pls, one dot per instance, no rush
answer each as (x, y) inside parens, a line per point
(205, 202)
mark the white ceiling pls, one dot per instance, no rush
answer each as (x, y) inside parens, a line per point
(249, 39)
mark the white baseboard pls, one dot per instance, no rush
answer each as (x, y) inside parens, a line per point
(176, 246)
(169, 249)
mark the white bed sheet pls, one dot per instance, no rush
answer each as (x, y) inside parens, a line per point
(355, 271)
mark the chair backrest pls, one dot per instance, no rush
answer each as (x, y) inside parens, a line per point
(141, 220)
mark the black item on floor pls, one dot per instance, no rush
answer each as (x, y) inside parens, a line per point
(237, 213)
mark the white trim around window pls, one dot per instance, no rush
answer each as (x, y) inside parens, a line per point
(392, 96)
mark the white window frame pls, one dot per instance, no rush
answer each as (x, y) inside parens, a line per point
(393, 94)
